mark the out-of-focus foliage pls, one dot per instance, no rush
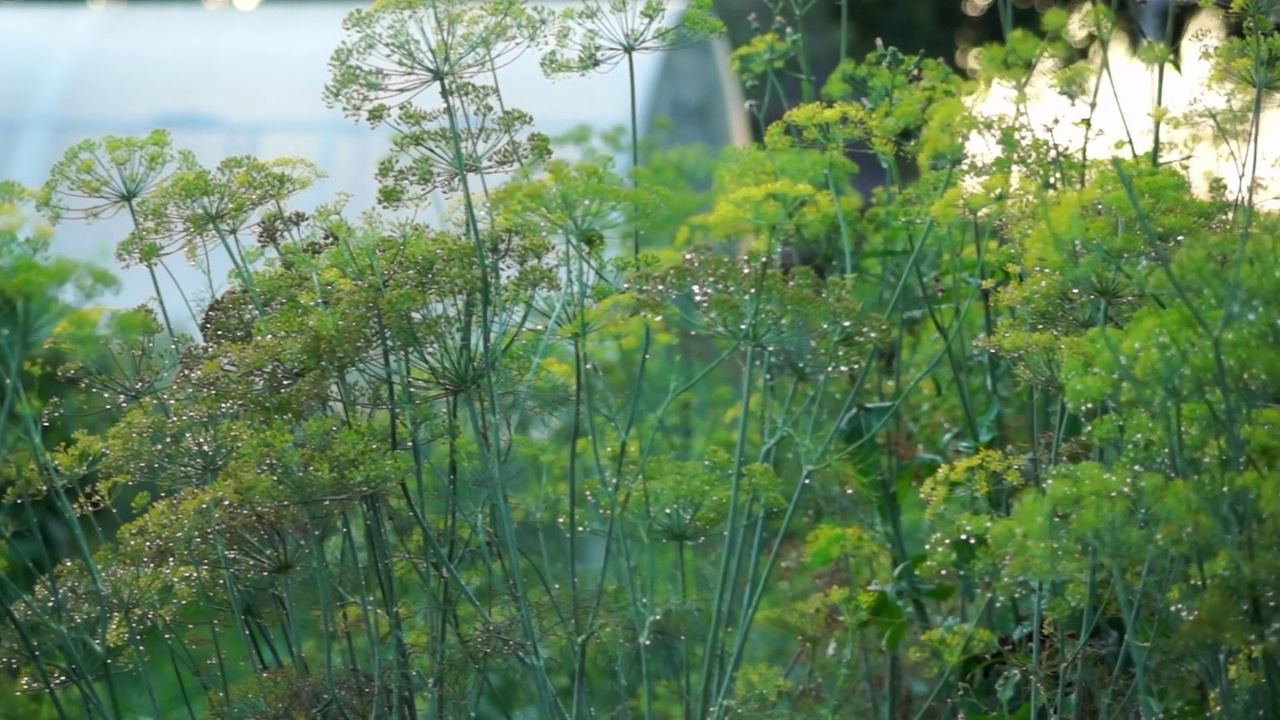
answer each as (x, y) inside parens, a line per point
(53, 342)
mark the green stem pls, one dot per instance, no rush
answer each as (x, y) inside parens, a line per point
(730, 557)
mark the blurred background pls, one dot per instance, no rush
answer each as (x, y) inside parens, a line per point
(245, 76)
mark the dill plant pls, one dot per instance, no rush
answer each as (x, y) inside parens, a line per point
(1007, 450)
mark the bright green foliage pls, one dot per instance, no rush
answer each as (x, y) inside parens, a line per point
(1000, 442)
